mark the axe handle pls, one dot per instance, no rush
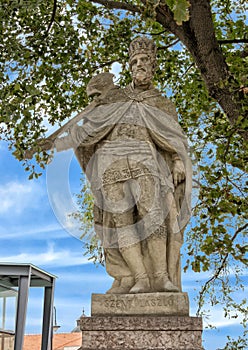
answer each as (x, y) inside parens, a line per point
(70, 122)
(29, 153)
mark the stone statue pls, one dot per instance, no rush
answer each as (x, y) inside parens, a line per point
(134, 154)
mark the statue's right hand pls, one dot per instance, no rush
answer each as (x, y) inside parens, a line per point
(42, 145)
(45, 144)
(29, 154)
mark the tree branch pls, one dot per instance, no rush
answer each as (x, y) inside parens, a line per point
(165, 17)
(152, 34)
(233, 41)
(103, 64)
(53, 16)
(218, 271)
(169, 45)
(118, 5)
(188, 68)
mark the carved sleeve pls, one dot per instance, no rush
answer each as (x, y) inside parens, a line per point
(64, 143)
(75, 136)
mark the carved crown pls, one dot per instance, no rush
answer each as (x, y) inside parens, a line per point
(142, 45)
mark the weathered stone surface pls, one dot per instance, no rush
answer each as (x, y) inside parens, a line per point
(141, 332)
(146, 323)
(135, 156)
(140, 304)
(121, 340)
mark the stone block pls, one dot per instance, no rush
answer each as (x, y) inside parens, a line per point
(173, 304)
(141, 333)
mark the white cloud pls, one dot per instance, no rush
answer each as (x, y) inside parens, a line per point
(192, 280)
(35, 233)
(217, 318)
(17, 196)
(48, 258)
(193, 276)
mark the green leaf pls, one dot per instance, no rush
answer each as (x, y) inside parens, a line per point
(17, 87)
(181, 11)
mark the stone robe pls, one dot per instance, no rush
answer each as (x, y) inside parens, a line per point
(129, 137)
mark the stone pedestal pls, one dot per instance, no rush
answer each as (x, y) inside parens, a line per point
(153, 321)
(141, 332)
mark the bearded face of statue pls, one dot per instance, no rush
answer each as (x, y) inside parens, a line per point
(142, 70)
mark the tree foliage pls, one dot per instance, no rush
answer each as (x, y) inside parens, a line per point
(50, 50)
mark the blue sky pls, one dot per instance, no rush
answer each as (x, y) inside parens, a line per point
(34, 228)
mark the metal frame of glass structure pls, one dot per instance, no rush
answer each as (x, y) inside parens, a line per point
(25, 276)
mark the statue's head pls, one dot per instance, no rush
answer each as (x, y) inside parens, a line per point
(142, 60)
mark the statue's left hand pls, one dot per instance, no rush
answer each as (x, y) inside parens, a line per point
(178, 172)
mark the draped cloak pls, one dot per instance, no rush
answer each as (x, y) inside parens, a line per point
(169, 140)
